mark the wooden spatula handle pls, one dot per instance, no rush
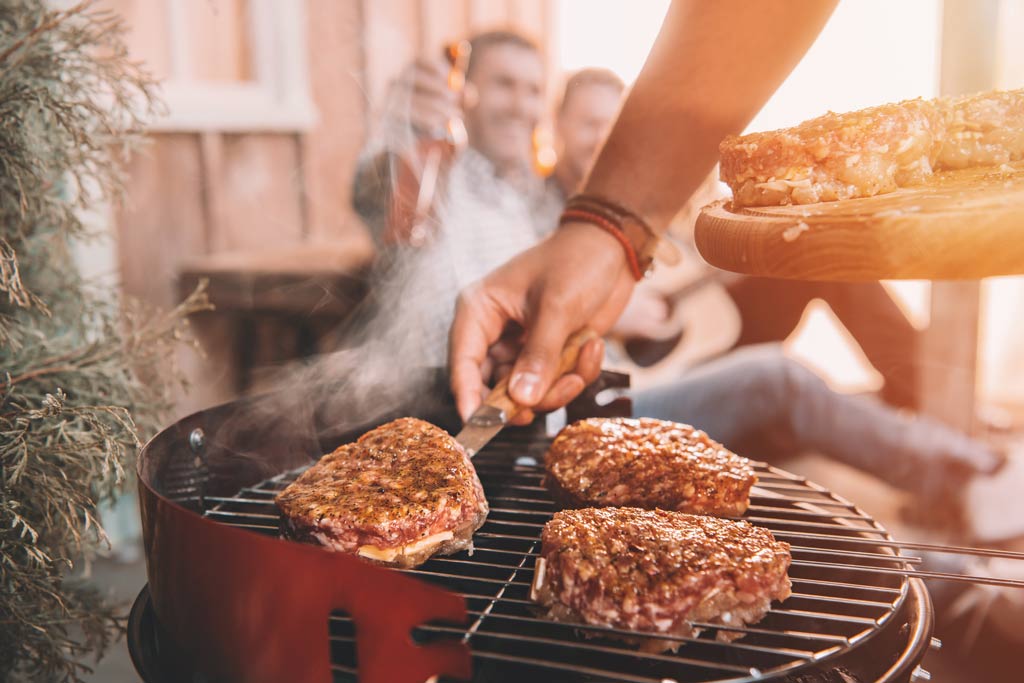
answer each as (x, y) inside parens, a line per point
(499, 397)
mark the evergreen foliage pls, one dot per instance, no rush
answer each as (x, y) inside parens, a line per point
(82, 374)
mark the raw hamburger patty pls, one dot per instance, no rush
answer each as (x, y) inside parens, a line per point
(658, 571)
(873, 151)
(647, 463)
(401, 493)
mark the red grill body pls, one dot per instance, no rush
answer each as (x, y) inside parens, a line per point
(228, 600)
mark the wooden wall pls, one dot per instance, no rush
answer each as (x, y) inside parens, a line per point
(199, 193)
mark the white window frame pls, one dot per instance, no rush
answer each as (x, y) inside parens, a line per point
(276, 100)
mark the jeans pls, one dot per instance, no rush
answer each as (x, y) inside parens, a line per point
(772, 308)
(762, 404)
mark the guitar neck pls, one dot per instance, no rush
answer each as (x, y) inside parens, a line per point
(711, 276)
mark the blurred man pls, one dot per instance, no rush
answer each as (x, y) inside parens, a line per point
(488, 200)
(585, 113)
(770, 309)
(584, 116)
(757, 400)
(499, 108)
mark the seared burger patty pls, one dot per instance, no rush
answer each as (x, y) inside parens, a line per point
(401, 493)
(658, 571)
(647, 463)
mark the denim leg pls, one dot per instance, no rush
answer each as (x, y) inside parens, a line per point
(758, 401)
(730, 397)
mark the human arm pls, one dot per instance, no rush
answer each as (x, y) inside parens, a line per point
(713, 66)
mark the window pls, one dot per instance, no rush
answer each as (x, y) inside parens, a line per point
(227, 65)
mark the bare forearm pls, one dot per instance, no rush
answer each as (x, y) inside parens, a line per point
(712, 68)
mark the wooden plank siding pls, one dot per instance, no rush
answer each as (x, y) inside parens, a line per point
(259, 183)
(391, 36)
(339, 89)
(949, 346)
(442, 21)
(162, 220)
(194, 194)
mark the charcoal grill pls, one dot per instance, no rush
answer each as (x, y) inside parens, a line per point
(208, 483)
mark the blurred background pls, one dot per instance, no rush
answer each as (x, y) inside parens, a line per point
(247, 178)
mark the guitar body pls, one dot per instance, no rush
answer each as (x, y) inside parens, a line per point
(703, 323)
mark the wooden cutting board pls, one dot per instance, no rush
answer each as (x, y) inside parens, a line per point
(965, 224)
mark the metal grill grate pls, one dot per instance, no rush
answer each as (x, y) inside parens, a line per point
(847, 583)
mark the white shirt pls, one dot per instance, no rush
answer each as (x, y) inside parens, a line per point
(481, 221)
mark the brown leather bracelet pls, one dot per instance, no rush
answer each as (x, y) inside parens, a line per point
(635, 229)
(582, 215)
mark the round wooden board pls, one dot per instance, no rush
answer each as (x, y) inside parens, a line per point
(960, 225)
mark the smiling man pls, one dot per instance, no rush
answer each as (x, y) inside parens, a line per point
(499, 108)
(504, 100)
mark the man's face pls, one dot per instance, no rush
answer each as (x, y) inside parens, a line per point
(583, 123)
(504, 102)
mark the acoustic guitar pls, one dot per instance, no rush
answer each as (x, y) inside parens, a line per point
(703, 323)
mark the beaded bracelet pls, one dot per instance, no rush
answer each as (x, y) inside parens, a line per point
(607, 206)
(570, 215)
(630, 228)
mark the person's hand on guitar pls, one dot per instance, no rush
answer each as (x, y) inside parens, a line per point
(646, 316)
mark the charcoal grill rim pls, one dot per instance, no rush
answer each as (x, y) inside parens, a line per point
(919, 641)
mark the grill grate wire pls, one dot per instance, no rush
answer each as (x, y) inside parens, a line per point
(848, 579)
